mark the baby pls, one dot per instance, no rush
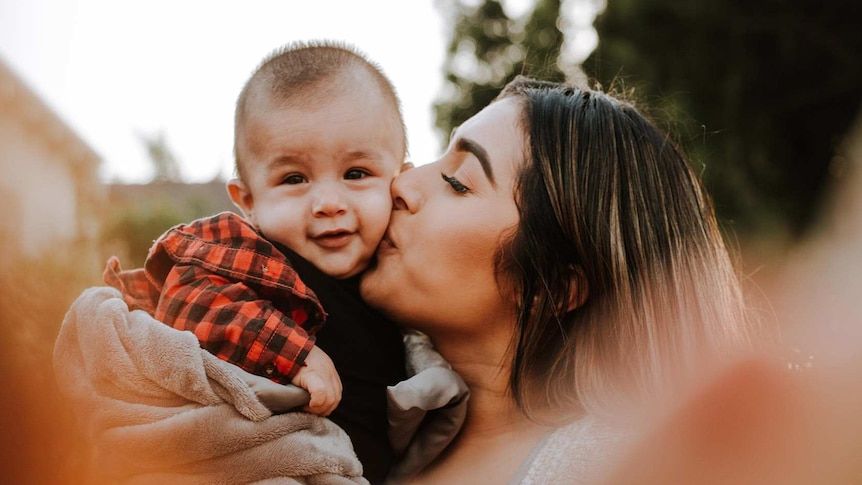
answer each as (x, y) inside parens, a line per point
(318, 138)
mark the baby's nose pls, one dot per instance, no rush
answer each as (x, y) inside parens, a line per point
(328, 201)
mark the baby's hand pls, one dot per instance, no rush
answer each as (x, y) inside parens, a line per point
(319, 378)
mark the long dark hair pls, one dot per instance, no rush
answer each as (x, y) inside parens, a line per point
(612, 213)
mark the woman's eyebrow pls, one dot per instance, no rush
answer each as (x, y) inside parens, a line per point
(467, 145)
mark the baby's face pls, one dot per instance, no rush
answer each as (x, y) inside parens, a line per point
(317, 177)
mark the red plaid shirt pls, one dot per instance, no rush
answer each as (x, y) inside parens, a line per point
(220, 279)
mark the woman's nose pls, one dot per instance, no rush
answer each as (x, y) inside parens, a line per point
(328, 201)
(406, 189)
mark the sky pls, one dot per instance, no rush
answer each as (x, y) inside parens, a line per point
(116, 70)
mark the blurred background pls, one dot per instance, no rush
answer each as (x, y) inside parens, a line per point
(116, 123)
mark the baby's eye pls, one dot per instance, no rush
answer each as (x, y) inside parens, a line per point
(294, 179)
(355, 174)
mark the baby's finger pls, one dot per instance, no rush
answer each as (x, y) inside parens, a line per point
(328, 405)
(319, 409)
(318, 390)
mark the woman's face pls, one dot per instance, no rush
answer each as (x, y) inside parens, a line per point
(436, 265)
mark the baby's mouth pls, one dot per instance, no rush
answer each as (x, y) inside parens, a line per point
(333, 239)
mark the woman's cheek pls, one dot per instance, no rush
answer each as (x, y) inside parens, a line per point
(464, 258)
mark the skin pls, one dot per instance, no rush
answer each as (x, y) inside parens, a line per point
(436, 273)
(316, 178)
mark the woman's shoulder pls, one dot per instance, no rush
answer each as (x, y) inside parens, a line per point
(572, 453)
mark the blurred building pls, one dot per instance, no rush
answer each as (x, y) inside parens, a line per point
(51, 201)
(49, 188)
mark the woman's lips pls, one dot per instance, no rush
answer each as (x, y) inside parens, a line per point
(386, 244)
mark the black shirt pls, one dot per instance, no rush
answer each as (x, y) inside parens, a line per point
(368, 353)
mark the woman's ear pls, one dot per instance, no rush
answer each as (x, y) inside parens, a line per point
(242, 198)
(579, 288)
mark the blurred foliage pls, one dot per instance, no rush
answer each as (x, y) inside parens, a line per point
(165, 166)
(42, 443)
(130, 231)
(761, 93)
(140, 214)
(488, 49)
(758, 92)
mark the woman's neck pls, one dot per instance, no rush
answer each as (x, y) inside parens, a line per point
(485, 367)
(491, 409)
(496, 437)
(478, 357)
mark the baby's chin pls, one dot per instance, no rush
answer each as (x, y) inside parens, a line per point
(343, 270)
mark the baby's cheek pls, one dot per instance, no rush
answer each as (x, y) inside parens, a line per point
(377, 210)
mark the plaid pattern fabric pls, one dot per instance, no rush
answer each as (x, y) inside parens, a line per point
(220, 279)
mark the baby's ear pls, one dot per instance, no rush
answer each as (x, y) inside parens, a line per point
(242, 198)
(406, 166)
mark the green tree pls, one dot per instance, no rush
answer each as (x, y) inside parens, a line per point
(760, 91)
(162, 157)
(130, 230)
(488, 49)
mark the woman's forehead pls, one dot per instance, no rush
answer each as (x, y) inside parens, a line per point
(497, 131)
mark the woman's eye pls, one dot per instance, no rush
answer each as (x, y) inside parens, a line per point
(294, 179)
(456, 185)
(355, 174)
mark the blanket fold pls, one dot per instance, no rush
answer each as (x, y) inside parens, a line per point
(159, 409)
(426, 411)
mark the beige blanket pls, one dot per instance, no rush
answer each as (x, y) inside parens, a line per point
(159, 409)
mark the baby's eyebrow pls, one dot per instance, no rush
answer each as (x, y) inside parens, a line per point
(361, 155)
(467, 145)
(284, 160)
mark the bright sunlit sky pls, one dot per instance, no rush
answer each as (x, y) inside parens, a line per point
(115, 69)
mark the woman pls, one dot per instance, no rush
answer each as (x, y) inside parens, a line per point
(560, 254)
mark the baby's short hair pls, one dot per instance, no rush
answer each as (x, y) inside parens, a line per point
(303, 73)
